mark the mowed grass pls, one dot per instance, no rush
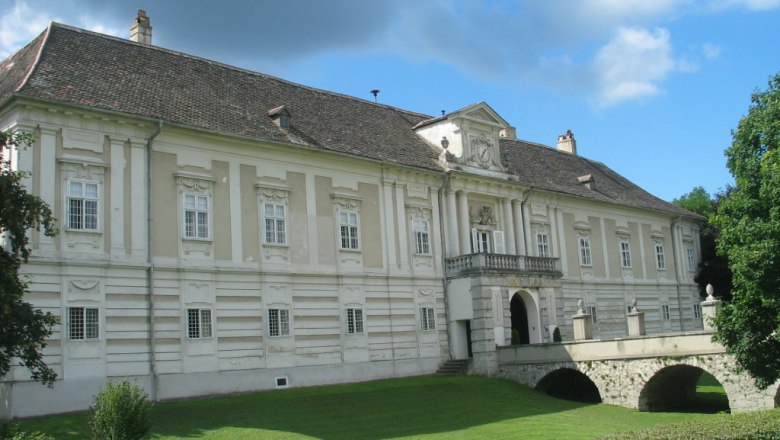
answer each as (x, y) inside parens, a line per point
(469, 407)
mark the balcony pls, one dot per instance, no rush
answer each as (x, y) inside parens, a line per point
(500, 263)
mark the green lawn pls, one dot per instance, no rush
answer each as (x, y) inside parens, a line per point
(420, 407)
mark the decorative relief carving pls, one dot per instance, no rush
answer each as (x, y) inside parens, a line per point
(426, 291)
(84, 284)
(485, 216)
(197, 183)
(345, 202)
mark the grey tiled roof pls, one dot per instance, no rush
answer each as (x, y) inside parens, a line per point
(548, 169)
(73, 66)
(102, 72)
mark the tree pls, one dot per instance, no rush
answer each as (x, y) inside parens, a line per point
(713, 268)
(749, 221)
(23, 329)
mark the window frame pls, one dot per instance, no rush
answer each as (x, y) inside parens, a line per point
(277, 221)
(427, 318)
(355, 321)
(586, 255)
(543, 245)
(279, 322)
(660, 256)
(593, 312)
(200, 323)
(697, 311)
(84, 199)
(353, 230)
(690, 254)
(625, 254)
(87, 330)
(666, 313)
(422, 236)
(196, 210)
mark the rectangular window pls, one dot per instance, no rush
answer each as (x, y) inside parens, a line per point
(278, 322)
(625, 254)
(592, 312)
(665, 315)
(585, 259)
(82, 205)
(480, 241)
(83, 323)
(196, 216)
(198, 323)
(498, 242)
(541, 244)
(421, 237)
(691, 258)
(354, 321)
(427, 318)
(660, 258)
(275, 220)
(348, 227)
(697, 311)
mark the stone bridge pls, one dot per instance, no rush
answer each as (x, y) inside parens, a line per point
(647, 373)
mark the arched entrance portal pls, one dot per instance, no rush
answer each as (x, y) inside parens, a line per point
(569, 384)
(519, 321)
(683, 388)
(525, 318)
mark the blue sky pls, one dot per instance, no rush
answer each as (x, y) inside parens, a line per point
(651, 88)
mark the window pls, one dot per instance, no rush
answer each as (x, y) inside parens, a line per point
(592, 313)
(585, 259)
(625, 254)
(275, 218)
(82, 205)
(196, 216)
(278, 322)
(421, 236)
(541, 244)
(427, 318)
(691, 258)
(697, 311)
(665, 315)
(480, 241)
(83, 323)
(354, 321)
(660, 258)
(198, 323)
(348, 227)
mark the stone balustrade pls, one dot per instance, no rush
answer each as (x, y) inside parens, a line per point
(485, 262)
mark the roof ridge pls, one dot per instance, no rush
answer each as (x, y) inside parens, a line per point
(557, 151)
(232, 67)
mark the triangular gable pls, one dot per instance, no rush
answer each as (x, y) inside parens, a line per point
(482, 112)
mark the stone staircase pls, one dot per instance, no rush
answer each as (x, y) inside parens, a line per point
(453, 367)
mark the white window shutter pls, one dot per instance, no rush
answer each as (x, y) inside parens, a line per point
(474, 241)
(498, 242)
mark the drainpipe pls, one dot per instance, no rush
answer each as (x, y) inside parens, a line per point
(522, 220)
(442, 228)
(150, 261)
(675, 251)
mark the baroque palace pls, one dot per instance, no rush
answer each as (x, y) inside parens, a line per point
(222, 231)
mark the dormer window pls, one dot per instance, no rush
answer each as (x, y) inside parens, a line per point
(281, 116)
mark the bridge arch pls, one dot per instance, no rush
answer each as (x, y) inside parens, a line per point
(524, 308)
(569, 384)
(674, 386)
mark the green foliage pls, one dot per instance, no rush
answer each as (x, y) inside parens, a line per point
(121, 411)
(515, 337)
(752, 426)
(713, 268)
(749, 221)
(557, 335)
(24, 329)
(698, 201)
(11, 431)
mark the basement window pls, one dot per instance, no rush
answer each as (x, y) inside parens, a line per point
(282, 382)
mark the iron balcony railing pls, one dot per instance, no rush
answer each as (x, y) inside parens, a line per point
(484, 262)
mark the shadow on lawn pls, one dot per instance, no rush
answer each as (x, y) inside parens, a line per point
(372, 410)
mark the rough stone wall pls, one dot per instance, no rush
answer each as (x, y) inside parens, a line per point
(622, 382)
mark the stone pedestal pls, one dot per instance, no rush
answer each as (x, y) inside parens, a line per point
(636, 323)
(709, 309)
(583, 326)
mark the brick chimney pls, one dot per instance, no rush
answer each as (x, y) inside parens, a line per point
(141, 31)
(567, 143)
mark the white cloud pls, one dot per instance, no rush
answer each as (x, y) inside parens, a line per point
(93, 25)
(632, 64)
(18, 26)
(752, 5)
(711, 51)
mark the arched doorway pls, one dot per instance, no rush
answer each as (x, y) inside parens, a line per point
(569, 384)
(683, 388)
(519, 320)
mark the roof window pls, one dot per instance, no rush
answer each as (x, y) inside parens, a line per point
(281, 116)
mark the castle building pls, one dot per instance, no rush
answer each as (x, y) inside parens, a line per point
(223, 231)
